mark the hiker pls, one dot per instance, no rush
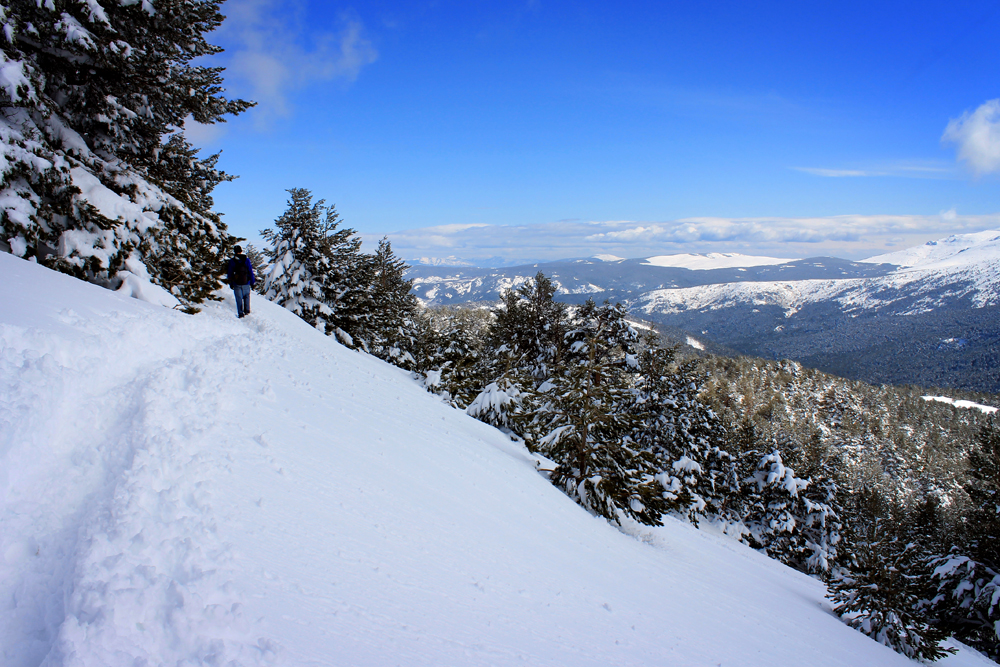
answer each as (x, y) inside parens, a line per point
(240, 277)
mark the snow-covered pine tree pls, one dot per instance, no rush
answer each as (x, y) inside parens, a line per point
(820, 526)
(964, 600)
(391, 331)
(772, 517)
(983, 488)
(299, 275)
(528, 330)
(683, 433)
(449, 353)
(259, 263)
(584, 423)
(967, 578)
(96, 179)
(349, 279)
(501, 404)
(883, 595)
(794, 520)
(523, 348)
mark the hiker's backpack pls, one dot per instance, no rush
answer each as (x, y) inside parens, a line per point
(241, 276)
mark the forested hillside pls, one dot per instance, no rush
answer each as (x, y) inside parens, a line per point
(879, 490)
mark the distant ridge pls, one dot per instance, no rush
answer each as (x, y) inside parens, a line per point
(927, 315)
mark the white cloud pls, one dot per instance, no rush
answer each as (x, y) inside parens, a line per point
(977, 137)
(272, 52)
(847, 236)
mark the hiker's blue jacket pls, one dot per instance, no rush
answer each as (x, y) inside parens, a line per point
(232, 265)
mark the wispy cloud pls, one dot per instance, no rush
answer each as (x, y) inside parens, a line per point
(751, 105)
(899, 170)
(835, 173)
(976, 135)
(848, 236)
(272, 52)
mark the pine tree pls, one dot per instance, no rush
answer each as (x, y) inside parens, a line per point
(794, 520)
(683, 433)
(773, 519)
(967, 578)
(450, 353)
(259, 263)
(820, 526)
(884, 593)
(300, 276)
(349, 276)
(528, 330)
(585, 425)
(523, 348)
(501, 404)
(983, 488)
(391, 332)
(98, 179)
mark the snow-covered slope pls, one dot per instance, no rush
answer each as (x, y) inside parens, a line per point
(959, 268)
(952, 251)
(201, 490)
(968, 405)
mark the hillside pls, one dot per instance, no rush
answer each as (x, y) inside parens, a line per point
(200, 489)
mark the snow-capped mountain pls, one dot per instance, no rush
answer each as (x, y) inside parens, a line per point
(926, 315)
(626, 279)
(202, 490)
(938, 274)
(957, 250)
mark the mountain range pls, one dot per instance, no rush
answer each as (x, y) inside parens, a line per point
(927, 315)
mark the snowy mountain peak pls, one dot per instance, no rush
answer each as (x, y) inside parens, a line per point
(956, 250)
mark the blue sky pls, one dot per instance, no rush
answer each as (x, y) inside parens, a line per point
(631, 128)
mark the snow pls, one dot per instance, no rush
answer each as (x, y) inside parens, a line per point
(608, 258)
(110, 204)
(713, 260)
(589, 288)
(12, 78)
(202, 490)
(695, 343)
(645, 326)
(950, 251)
(988, 409)
(972, 273)
(136, 284)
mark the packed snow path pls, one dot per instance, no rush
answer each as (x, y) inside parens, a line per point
(179, 490)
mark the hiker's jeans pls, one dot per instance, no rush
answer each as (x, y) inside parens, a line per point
(242, 293)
